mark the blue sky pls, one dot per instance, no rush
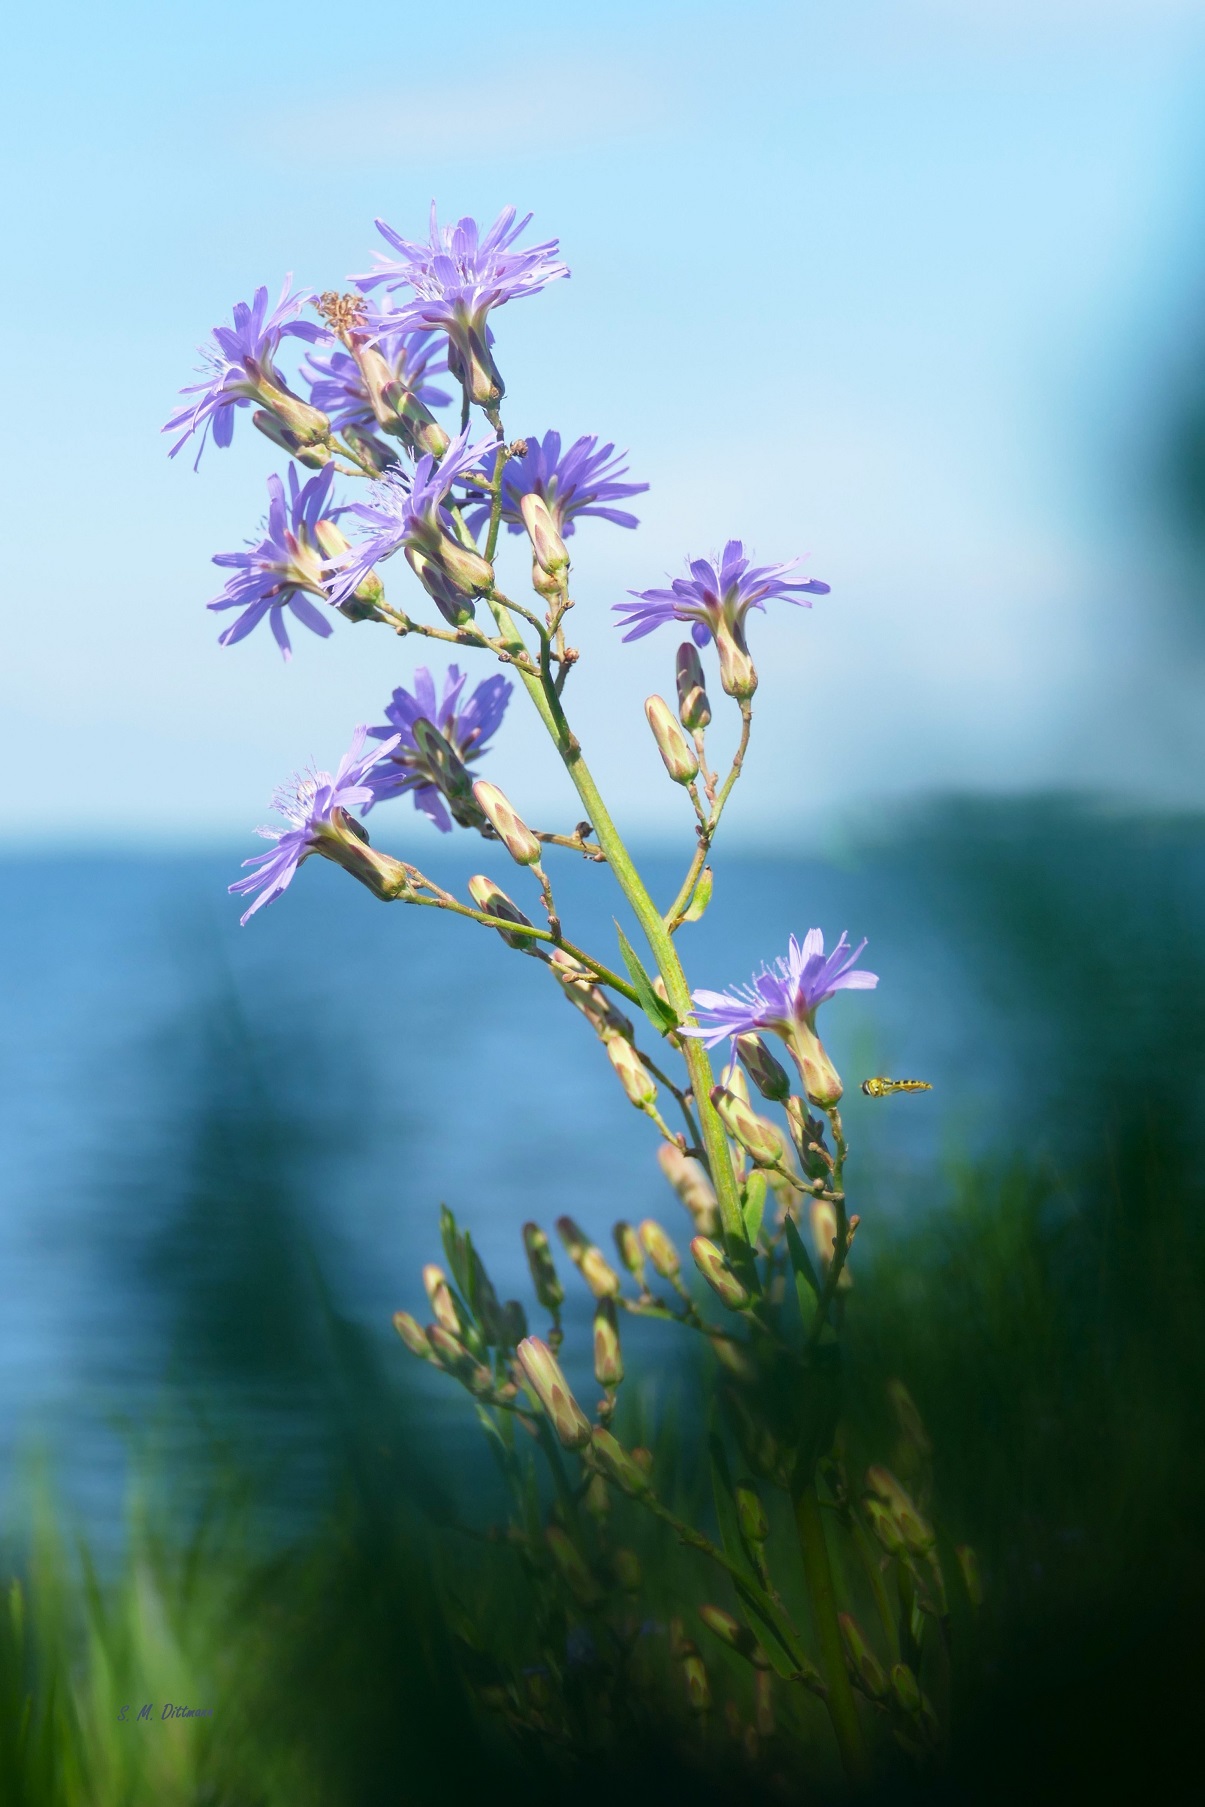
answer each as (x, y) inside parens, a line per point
(900, 284)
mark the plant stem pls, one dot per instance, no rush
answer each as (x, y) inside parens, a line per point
(818, 1573)
(548, 706)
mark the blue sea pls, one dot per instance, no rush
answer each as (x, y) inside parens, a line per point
(191, 1113)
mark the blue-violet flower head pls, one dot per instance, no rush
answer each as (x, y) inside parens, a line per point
(285, 568)
(715, 599)
(308, 804)
(784, 999)
(240, 366)
(583, 480)
(457, 276)
(466, 726)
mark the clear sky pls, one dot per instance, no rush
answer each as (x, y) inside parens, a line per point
(906, 285)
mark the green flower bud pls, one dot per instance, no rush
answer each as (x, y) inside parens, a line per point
(911, 1524)
(345, 841)
(494, 901)
(759, 1139)
(452, 1355)
(698, 1688)
(659, 1249)
(768, 1075)
(413, 1335)
(730, 1631)
(549, 1290)
(908, 1418)
(307, 427)
(906, 1689)
(630, 1251)
(821, 1080)
(693, 707)
(713, 1265)
(445, 763)
(435, 1283)
(547, 546)
(968, 1564)
(737, 672)
(314, 455)
(863, 1664)
(883, 1524)
(589, 1260)
(618, 1465)
(734, 1356)
(568, 1559)
(608, 1356)
(676, 751)
(626, 1564)
(634, 1076)
(552, 1390)
(693, 1187)
(823, 1217)
(755, 1526)
(580, 988)
(509, 827)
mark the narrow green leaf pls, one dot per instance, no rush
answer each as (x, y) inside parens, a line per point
(729, 1518)
(659, 1013)
(702, 896)
(753, 1204)
(454, 1249)
(807, 1284)
(774, 1629)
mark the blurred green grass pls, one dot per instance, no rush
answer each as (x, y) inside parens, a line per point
(307, 1570)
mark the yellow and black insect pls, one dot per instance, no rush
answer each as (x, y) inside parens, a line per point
(882, 1088)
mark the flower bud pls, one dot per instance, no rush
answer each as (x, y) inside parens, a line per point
(737, 673)
(758, 1138)
(451, 601)
(362, 604)
(589, 1260)
(911, 1424)
(675, 750)
(626, 1564)
(452, 1355)
(729, 1630)
(307, 427)
(345, 841)
(659, 1249)
(630, 1251)
(693, 1187)
(552, 1390)
(698, 1688)
(824, 1239)
(507, 824)
(442, 1303)
(861, 1660)
(643, 1458)
(693, 708)
(755, 1526)
(597, 1498)
(370, 450)
(713, 1265)
(882, 1523)
(608, 1356)
(634, 1076)
(313, 456)
(906, 1689)
(488, 897)
(544, 1278)
(909, 1521)
(590, 998)
(768, 1075)
(821, 1080)
(732, 1078)
(413, 1335)
(735, 1357)
(548, 548)
(568, 1559)
(618, 1465)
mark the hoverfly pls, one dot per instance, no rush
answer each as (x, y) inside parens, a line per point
(882, 1088)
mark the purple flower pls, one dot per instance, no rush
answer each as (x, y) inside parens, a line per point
(466, 727)
(408, 512)
(457, 277)
(239, 367)
(790, 993)
(288, 562)
(309, 804)
(338, 388)
(715, 600)
(785, 1000)
(582, 481)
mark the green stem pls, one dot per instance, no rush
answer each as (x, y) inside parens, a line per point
(681, 903)
(818, 1573)
(548, 706)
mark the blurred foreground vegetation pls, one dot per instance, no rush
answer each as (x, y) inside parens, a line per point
(311, 1559)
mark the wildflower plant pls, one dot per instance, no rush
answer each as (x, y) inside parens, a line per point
(755, 1153)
